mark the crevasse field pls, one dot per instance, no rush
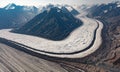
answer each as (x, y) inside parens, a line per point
(78, 40)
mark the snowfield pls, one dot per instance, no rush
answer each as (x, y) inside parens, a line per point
(78, 40)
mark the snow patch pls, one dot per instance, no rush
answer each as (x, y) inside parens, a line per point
(58, 10)
(105, 11)
(69, 8)
(118, 5)
(10, 8)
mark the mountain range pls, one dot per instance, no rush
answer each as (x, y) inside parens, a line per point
(14, 15)
(105, 10)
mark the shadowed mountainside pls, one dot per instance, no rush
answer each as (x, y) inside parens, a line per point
(54, 24)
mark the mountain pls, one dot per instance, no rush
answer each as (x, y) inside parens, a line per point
(13, 15)
(54, 24)
(105, 10)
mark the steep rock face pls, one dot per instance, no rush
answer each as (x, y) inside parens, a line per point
(54, 24)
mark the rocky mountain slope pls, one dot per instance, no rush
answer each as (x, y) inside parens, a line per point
(54, 24)
(105, 10)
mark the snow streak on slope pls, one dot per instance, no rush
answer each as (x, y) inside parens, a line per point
(77, 41)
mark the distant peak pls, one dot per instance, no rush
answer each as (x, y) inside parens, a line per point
(10, 6)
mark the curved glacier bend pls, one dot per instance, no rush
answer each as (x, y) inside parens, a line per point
(91, 47)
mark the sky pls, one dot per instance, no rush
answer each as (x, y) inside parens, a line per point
(44, 2)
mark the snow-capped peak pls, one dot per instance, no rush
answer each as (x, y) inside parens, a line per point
(10, 6)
